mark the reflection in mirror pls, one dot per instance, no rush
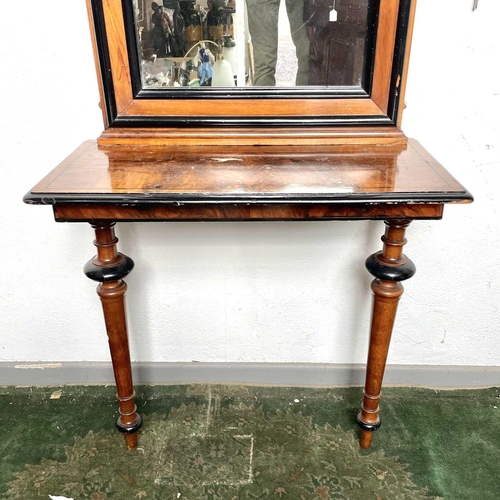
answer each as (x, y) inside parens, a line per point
(252, 43)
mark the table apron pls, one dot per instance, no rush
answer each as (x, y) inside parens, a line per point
(79, 212)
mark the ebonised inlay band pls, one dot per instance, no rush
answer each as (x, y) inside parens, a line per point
(383, 271)
(129, 429)
(368, 427)
(111, 273)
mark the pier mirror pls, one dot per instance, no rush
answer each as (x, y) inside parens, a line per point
(247, 63)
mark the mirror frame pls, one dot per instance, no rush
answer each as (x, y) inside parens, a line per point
(277, 107)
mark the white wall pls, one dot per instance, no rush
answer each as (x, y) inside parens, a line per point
(273, 292)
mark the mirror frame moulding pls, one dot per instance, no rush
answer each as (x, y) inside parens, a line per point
(284, 116)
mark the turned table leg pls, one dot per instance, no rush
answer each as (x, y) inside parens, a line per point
(108, 267)
(390, 267)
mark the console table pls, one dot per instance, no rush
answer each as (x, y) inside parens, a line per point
(104, 184)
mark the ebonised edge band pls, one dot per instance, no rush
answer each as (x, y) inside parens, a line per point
(111, 273)
(368, 427)
(382, 271)
(129, 429)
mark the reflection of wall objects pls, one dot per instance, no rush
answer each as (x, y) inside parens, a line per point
(337, 48)
(176, 43)
(205, 69)
(177, 26)
(157, 73)
(241, 35)
(158, 34)
(215, 24)
(143, 28)
(222, 73)
(230, 54)
(140, 10)
(192, 22)
(220, 20)
(141, 17)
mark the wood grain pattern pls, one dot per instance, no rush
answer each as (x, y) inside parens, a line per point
(404, 75)
(118, 54)
(262, 136)
(253, 107)
(112, 295)
(386, 38)
(304, 181)
(67, 212)
(102, 103)
(386, 295)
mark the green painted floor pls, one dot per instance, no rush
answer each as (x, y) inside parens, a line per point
(242, 442)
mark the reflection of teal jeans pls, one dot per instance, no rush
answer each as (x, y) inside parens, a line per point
(263, 25)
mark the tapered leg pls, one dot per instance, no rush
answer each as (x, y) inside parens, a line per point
(390, 267)
(108, 267)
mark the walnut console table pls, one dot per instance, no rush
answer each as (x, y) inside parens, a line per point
(103, 185)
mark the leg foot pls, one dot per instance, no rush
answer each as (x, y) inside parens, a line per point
(131, 440)
(365, 441)
(109, 267)
(389, 268)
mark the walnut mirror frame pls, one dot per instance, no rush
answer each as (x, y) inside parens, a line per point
(317, 114)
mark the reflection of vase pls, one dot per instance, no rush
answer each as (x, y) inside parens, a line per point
(229, 52)
(217, 20)
(192, 22)
(222, 73)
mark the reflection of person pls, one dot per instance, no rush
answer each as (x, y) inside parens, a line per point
(263, 26)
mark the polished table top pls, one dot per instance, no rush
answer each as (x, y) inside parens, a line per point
(140, 179)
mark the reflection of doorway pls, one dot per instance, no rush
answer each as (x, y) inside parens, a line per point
(142, 14)
(337, 48)
(286, 67)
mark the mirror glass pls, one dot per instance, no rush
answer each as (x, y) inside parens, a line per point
(253, 43)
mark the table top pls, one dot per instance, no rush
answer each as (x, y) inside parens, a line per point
(177, 175)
